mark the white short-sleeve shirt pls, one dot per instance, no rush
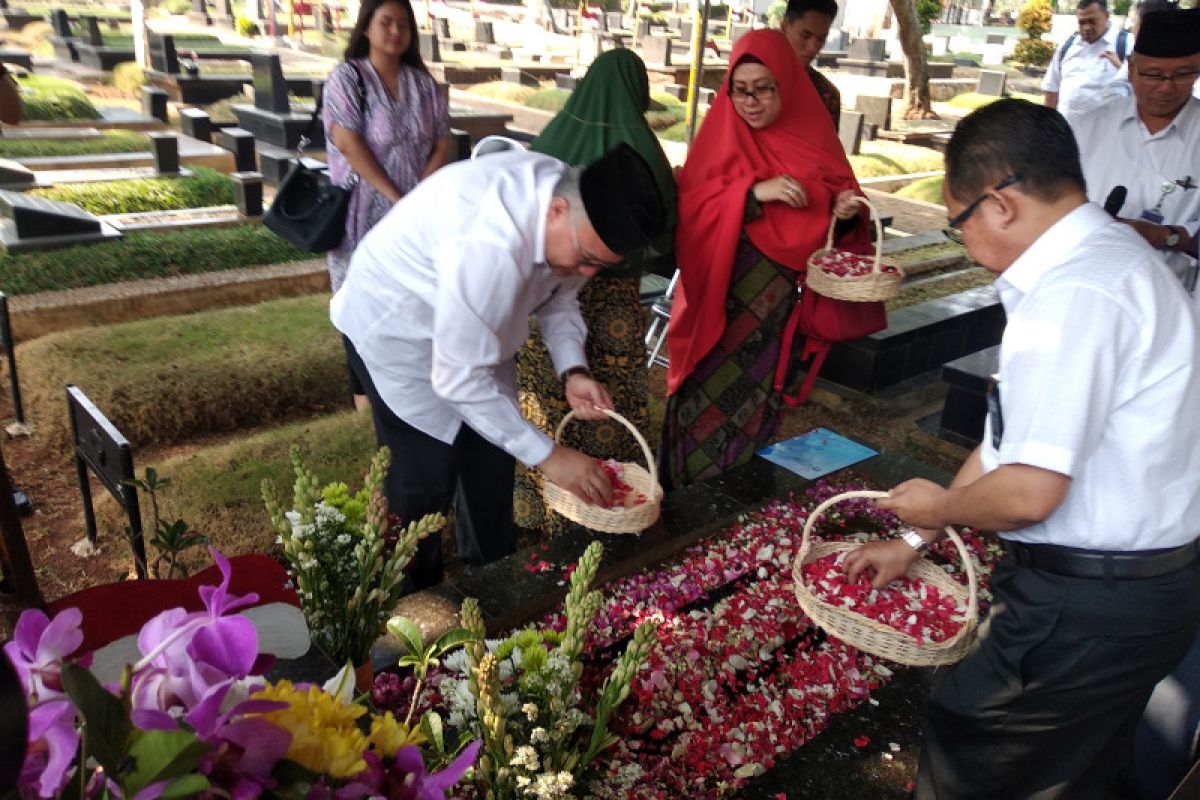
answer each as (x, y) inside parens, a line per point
(1099, 381)
(1116, 149)
(1080, 74)
(439, 294)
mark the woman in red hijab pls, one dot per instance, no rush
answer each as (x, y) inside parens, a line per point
(755, 197)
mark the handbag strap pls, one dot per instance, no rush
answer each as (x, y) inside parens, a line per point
(833, 220)
(817, 349)
(306, 138)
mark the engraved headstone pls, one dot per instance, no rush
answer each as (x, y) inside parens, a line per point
(876, 110)
(154, 103)
(102, 449)
(850, 131)
(867, 49)
(484, 34)
(163, 56)
(91, 31)
(196, 123)
(166, 152)
(240, 142)
(248, 193)
(992, 82)
(270, 89)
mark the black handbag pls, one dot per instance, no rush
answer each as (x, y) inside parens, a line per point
(309, 211)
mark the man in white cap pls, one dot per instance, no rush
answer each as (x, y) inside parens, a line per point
(1140, 153)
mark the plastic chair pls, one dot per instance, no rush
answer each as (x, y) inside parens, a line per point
(656, 334)
(494, 144)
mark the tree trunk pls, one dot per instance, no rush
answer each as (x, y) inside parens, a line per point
(916, 92)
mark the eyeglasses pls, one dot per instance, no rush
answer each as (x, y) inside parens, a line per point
(1178, 79)
(962, 216)
(582, 259)
(760, 93)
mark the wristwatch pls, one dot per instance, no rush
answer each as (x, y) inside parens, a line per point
(915, 541)
(580, 370)
(1173, 237)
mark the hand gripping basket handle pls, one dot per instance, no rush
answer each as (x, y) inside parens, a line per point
(833, 221)
(972, 587)
(636, 435)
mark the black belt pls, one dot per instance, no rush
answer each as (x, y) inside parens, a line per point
(1074, 562)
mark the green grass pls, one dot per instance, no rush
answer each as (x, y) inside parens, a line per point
(171, 379)
(44, 98)
(148, 254)
(183, 41)
(206, 187)
(974, 100)
(117, 141)
(880, 158)
(926, 189)
(217, 488)
(77, 11)
(548, 99)
(503, 90)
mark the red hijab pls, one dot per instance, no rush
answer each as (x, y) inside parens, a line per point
(725, 160)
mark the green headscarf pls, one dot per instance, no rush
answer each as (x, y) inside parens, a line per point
(608, 107)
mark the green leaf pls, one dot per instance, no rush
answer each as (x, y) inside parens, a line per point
(162, 755)
(409, 661)
(452, 639)
(187, 786)
(107, 722)
(431, 726)
(408, 633)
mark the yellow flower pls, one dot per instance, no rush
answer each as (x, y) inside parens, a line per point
(325, 737)
(388, 735)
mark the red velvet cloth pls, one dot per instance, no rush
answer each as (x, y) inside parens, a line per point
(115, 610)
(725, 160)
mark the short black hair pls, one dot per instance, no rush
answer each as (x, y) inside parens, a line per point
(798, 8)
(1085, 3)
(1013, 136)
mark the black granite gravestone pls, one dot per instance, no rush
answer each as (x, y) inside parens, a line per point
(100, 448)
(270, 89)
(876, 110)
(36, 217)
(15, 174)
(199, 12)
(196, 123)
(248, 193)
(240, 142)
(60, 22)
(992, 82)
(90, 33)
(154, 103)
(163, 56)
(166, 152)
(850, 131)
(965, 406)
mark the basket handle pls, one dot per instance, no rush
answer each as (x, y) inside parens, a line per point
(972, 581)
(833, 220)
(636, 435)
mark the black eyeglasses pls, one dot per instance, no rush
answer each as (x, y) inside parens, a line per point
(962, 216)
(760, 93)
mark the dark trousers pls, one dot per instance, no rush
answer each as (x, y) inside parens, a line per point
(1046, 703)
(426, 475)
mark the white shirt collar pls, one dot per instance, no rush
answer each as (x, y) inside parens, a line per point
(1047, 251)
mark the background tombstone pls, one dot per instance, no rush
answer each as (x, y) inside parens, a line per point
(270, 89)
(685, 31)
(34, 223)
(484, 33)
(163, 55)
(240, 142)
(615, 20)
(867, 49)
(657, 50)
(10, 352)
(460, 149)
(199, 13)
(61, 23)
(248, 193)
(441, 26)
(876, 110)
(196, 123)
(154, 103)
(15, 175)
(738, 31)
(994, 38)
(101, 448)
(90, 33)
(430, 52)
(166, 152)
(518, 76)
(992, 82)
(850, 131)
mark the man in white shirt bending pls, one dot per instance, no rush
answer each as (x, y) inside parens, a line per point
(1086, 62)
(436, 304)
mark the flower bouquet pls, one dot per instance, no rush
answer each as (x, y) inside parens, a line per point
(192, 717)
(347, 565)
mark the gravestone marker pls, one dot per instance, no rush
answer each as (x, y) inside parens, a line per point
(154, 103)
(850, 131)
(995, 38)
(867, 49)
(101, 448)
(518, 76)
(992, 82)
(166, 152)
(876, 110)
(643, 29)
(163, 56)
(460, 149)
(248, 193)
(270, 89)
(61, 23)
(484, 34)
(657, 50)
(240, 142)
(15, 174)
(686, 29)
(565, 80)
(36, 217)
(430, 52)
(91, 31)
(196, 123)
(441, 26)
(836, 41)
(10, 351)
(615, 20)
(738, 31)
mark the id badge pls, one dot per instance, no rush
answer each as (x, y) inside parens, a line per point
(994, 412)
(1153, 216)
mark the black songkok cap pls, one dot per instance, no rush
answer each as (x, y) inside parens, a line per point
(622, 200)
(1169, 34)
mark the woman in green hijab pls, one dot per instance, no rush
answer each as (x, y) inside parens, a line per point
(607, 107)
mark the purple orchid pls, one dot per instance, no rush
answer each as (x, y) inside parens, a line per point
(186, 655)
(53, 742)
(38, 648)
(406, 778)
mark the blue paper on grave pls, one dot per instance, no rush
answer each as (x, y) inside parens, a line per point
(816, 453)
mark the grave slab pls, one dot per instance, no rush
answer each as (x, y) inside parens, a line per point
(240, 142)
(34, 223)
(657, 50)
(965, 406)
(992, 82)
(850, 131)
(15, 175)
(195, 122)
(876, 111)
(248, 193)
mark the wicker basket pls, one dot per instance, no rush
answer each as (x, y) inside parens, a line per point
(633, 519)
(875, 285)
(875, 637)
